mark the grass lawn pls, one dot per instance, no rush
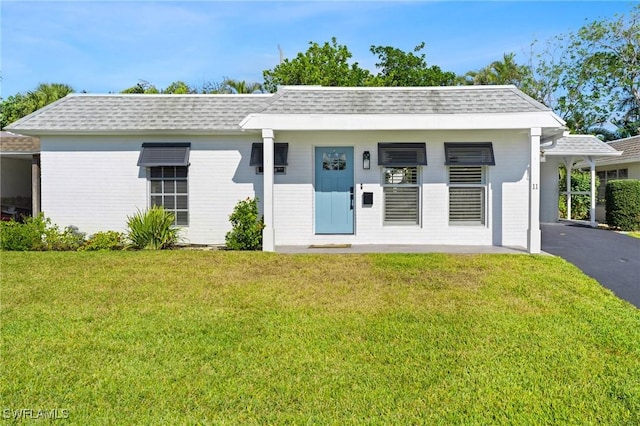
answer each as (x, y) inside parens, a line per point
(192, 337)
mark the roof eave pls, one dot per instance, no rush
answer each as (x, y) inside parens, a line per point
(129, 132)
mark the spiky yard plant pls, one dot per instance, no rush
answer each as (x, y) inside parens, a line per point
(152, 229)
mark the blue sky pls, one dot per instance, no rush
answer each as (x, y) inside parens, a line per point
(107, 46)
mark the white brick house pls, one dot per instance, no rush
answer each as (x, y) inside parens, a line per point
(437, 165)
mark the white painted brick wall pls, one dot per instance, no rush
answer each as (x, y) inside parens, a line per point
(96, 188)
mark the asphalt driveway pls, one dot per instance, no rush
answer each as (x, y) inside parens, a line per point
(613, 259)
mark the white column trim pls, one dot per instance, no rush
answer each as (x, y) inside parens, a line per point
(534, 233)
(592, 208)
(568, 164)
(268, 233)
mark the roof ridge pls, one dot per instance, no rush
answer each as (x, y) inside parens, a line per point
(391, 88)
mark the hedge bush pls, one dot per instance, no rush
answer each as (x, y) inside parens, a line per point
(623, 204)
(106, 240)
(247, 226)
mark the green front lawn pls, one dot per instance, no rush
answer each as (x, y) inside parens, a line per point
(191, 337)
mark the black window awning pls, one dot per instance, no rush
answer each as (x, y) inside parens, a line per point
(164, 154)
(469, 154)
(402, 154)
(280, 154)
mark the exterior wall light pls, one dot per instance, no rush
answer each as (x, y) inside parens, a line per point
(366, 160)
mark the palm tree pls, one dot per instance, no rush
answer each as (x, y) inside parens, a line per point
(241, 87)
(47, 93)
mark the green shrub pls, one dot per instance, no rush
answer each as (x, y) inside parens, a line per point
(623, 204)
(38, 233)
(580, 204)
(247, 226)
(152, 229)
(23, 236)
(69, 239)
(107, 240)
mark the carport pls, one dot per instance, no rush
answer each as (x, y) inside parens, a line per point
(569, 150)
(19, 174)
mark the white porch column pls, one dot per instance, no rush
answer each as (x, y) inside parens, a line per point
(268, 233)
(35, 184)
(533, 233)
(568, 164)
(592, 209)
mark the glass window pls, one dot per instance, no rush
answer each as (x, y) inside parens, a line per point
(467, 195)
(401, 196)
(169, 188)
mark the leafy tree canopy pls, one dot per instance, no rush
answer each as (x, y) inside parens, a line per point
(326, 65)
(592, 76)
(20, 105)
(399, 68)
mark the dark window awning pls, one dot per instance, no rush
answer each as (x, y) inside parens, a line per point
(469, 154)
(164, 154)
(402, 154)
(280, 154)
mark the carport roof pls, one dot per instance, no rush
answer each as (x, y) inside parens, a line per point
(581, 146)
(14, 143)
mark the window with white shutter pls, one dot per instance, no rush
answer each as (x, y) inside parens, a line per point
(401, 196)
(467, 181)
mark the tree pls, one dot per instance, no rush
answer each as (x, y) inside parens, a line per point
(241, 86)
(20, 105)
(179, 88)
(142, 87)
(326, 65)
(585, 76)
(399, 68)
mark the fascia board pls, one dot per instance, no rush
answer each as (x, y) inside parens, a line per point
(581, 154)
(159, 132)
(401, 121)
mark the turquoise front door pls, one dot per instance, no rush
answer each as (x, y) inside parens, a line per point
(334, 190)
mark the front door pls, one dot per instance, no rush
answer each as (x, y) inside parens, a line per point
(334, 190)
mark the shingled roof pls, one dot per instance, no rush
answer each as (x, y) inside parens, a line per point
(85, 113)
(402, 100)
(581, 145)
(82, 113)
(13, 143)
(630, 148)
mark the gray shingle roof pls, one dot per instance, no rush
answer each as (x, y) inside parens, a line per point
(629, 146)
(142, 113)
(402, 100)
(218, 113)
(581, 145)
(10, 142)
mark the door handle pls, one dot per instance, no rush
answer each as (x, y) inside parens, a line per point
(351, 194)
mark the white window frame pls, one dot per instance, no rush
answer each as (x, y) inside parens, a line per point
(162, 193)
(600, 196)
(481, 184)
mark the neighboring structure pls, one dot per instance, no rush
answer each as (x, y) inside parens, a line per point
(19, 173)
(430, 165)
(567, 151)
(625, 166)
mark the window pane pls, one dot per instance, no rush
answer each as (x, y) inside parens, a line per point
(156, 200)
(169, 186)
(169, 172)
(181, 172)
(401, 176)
(156, 172)
(182, 218)
(623, 174)
(334, 161)
(182, 202)
(612, 174)
(181, 186)
(156, 186)
(169, 202)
